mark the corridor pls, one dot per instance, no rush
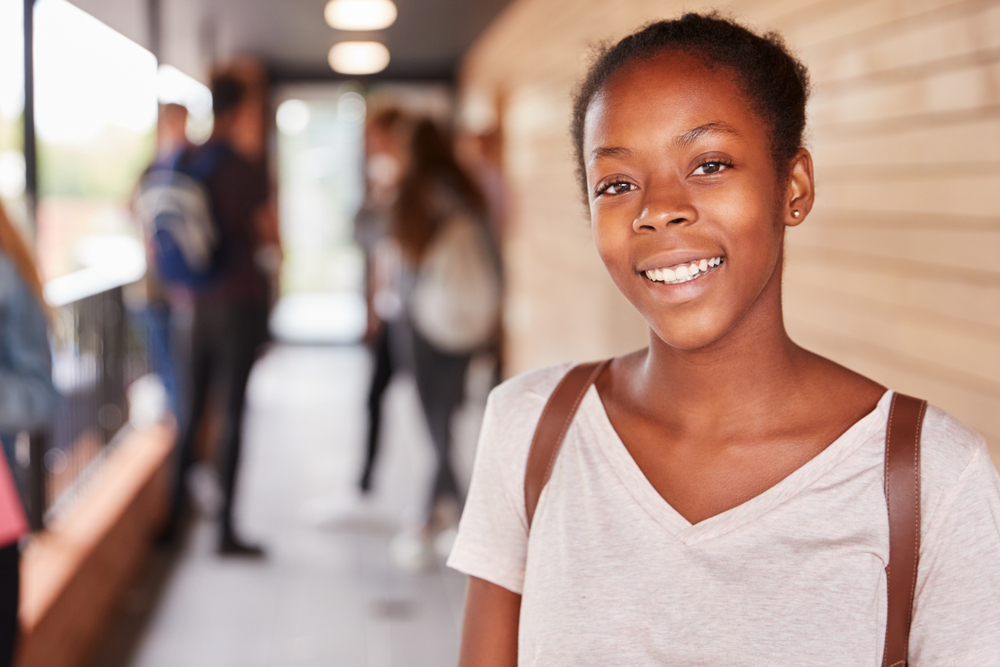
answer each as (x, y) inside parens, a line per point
(323, 596)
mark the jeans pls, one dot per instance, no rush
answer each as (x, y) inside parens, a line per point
(441, 385)
(217, 345)
(382, 374)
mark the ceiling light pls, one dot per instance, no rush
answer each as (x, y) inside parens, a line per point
(358, 57)
(360, 14)
(292, 117)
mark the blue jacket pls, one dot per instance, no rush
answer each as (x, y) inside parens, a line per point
(28, 398)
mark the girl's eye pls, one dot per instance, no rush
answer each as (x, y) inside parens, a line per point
(712, 167)
(615, 188)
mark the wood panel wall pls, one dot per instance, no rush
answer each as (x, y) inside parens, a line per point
(896, 271)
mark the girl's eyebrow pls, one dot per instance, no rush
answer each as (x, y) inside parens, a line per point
(609, 151)
(681, 140)
(715, 127)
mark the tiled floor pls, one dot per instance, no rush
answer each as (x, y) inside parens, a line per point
(323, 597)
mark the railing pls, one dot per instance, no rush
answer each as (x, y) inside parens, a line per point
(98, 352)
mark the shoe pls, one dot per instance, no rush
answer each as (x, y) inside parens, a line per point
(412, 550)
(232, 546)
(355, 511)
(443, 543)
(204, 489)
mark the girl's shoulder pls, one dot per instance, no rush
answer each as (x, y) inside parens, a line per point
(512, 413)
(528, 391)
(952, 456)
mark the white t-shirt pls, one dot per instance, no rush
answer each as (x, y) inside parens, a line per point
(613, 575)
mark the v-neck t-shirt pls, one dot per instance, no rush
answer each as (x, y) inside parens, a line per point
(611, 574)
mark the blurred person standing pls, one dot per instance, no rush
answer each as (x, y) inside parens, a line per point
(386, 145)
(221, 326)
(450, 290)
(28, 400)
(171, 140)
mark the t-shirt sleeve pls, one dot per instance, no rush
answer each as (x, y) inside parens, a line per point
(492, 539)
(956, 618)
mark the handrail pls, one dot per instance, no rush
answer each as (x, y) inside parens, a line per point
(93, 280)
(99, 351)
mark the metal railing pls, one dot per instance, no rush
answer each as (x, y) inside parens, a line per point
(98, 352)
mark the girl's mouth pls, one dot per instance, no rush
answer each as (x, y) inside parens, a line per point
(682, 273)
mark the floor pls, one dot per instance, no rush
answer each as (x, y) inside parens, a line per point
(323, 596)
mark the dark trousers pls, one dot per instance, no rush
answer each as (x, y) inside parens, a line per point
(222, 341)
(156, 318)
(384, 369)
(441, 384)
(10, 583)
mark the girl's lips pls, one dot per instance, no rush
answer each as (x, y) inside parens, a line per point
(682, 273)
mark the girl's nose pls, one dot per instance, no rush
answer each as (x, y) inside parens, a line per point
(664, 204)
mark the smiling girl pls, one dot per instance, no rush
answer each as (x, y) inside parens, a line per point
(718, 498)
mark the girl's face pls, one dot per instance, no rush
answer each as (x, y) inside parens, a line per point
(687, 210)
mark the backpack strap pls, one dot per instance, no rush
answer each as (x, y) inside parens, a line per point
(902, 495)
(552, 426)
(902, 489)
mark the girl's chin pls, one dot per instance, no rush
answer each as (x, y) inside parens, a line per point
(687, 339)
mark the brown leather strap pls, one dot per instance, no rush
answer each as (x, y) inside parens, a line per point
(902, 495)
(552, 426)
(902, 489)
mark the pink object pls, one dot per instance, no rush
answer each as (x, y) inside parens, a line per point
(13, 523)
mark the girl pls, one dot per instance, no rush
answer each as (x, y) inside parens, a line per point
(439, 222)
(718, 499)
(27, 400)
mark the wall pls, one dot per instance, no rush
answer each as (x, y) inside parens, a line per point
(894, 274)
(75, 572)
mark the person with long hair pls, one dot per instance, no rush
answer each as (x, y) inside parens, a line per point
(720, 496)
(440, 224)
(27, 400)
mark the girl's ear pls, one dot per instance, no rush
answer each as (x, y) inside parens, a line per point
(800, 191)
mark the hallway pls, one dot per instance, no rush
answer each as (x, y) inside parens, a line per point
(323, 596)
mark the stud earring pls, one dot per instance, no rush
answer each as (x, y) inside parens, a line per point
(796, 213)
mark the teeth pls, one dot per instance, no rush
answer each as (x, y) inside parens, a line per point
(684, 272)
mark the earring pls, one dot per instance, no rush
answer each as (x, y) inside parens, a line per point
(796, 213)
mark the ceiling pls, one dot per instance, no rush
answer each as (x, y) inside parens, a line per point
(290, 36)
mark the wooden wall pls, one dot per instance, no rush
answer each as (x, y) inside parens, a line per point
(895, 273)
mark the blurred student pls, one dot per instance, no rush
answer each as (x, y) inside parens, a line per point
(27, 401)
(171, 139)
(223, 323)
(385, 146)
(450, 289)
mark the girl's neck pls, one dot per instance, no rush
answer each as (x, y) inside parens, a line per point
(745, 376)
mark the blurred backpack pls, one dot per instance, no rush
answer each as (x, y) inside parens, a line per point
(456, 301)
(174, 207)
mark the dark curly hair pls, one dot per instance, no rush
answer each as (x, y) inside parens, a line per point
(775, 83)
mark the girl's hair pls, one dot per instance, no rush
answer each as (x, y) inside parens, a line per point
(432, 172)
(12, 245)
(775, 83)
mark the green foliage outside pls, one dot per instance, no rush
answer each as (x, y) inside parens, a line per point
(106, 168)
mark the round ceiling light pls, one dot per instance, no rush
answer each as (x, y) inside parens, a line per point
(360, 14)
(358, 57)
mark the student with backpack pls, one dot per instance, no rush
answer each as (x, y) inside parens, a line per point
(724, 496)
(220, 291)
